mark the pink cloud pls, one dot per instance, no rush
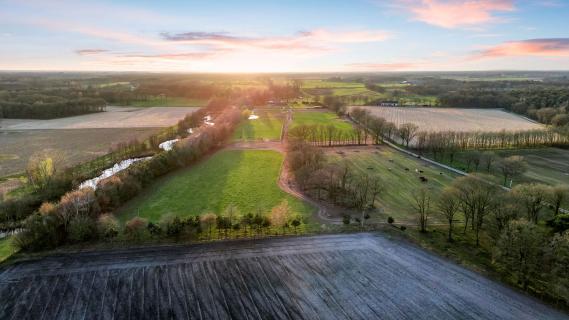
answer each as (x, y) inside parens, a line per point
(555, 47)
(459, 13)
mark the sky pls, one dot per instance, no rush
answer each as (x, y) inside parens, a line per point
(284, 36)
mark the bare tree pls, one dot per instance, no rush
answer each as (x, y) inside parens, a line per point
(207, 221)
(422, 205)
(519, 249)
(407, 132)
(42, 168)
(532, 196)
(488, 159)
(449, 205)
(559, 194)
(75, 203)
(477, 198)
(512, 167)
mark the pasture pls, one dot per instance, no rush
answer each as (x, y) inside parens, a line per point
(391, 166)
(358, 276)
(73, 146)
(545, 165)
(114, 117)
(463, 120)
(246, 179)
(320, 118)
(267, 127)
(357, 93)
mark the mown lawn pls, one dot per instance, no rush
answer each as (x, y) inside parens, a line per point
(390, 166)
(246, 179)
(267, 127)
(319, 118)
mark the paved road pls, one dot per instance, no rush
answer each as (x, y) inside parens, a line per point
(358, 276)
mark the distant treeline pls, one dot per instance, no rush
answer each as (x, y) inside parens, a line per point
(34, 106)
(547, 101)
(44, 97)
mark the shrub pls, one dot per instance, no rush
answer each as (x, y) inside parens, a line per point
(135, 227)
(154, 229)
(40, 232)
(390, 220)
(173, 225)
(207, 221)
(82, 228)
(47, 208)
(295, 223)
(560, 223)
(346, 219)
(107, 226)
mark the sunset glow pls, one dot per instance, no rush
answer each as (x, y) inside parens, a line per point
(253, 36)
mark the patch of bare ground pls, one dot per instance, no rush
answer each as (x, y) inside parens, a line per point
(114, 117)
(358, 276)
(73, 145)
(455, 119)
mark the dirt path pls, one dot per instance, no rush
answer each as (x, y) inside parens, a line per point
(357, 276)
(286, 183)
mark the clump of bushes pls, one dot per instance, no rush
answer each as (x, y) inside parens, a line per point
(135, 228)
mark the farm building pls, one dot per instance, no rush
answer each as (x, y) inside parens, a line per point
(389, 103)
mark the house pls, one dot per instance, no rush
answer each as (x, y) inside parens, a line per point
(389, 103)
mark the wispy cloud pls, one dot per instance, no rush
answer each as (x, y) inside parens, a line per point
(555, 47)
(456, 13)
(314, 40)
(88, 52)
(171, 56)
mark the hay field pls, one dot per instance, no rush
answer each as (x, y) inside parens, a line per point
(463, 120)
(114, 117)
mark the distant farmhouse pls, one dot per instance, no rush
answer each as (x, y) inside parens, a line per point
(389, 103)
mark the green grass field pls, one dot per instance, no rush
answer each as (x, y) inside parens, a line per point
(545, 165)
(170, 102)
(319, 118)
(246, 179)
(389, 165)
(316, 83)
(267, 127)
(356, 93)
(6, 249)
